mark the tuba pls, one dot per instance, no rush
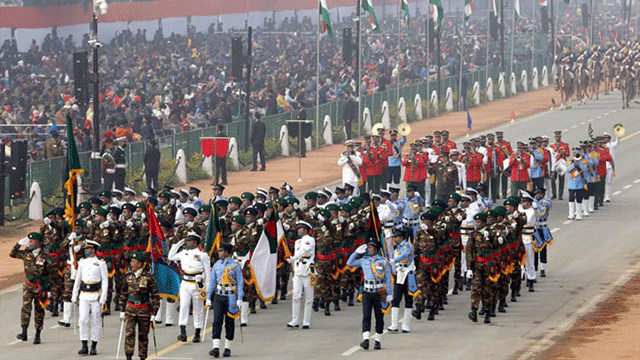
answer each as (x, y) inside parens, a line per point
(404, 129)
(618, 130)
(376, 127)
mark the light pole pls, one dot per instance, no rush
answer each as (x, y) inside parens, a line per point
(99, 7)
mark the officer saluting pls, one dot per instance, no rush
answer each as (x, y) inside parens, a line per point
(302, 259)
(226, 286)
(90, 286)
(377, 288)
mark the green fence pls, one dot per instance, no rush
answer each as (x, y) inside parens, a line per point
(49, 173)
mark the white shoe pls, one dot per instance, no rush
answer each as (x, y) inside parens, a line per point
(406, 321)
(579, 211)
(395, 312)
(572, 210)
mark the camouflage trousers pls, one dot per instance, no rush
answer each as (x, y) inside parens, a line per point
(429, 290)
(31, 298)
(57, 288)
(481, 287)
(116, 285)
(143, 323)
(349, 281)
(68, 286)
(516, 278)
(250, 293)
(457, 266)
(444, 283)
(502, 287)
(282, 278)
(327, 287)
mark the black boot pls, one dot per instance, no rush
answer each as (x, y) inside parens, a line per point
(23, 335)
(473, 315)
(432, 314)
(461, 282)
(468, 284)
(321, 303)
(482, 311)
(262, 305)
(513, 296)
(487, 318)
(440, 306)
(84, 350)
(350, 300)
(417, 312)
(493, 310)
(54, 311)
(196, 337)
(336, 305)
(36, 339)
(501, 306)
(343, 297)
(365, 344)
(183, 333)
(215, 352)
(283, 295)
(93, 350)
(543, 273)
(116, 307)
(252, 307)
(275, 299)
(315, 305)
(376, 345)
(445, 301)
(226, 353)
(531, 282)
(327, 312)
(455, 289)
(129, 356)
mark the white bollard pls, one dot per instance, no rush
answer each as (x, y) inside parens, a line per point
(449, 103)
(525, 81)
(181, 170)
(386, 118)
(476, 93)
(535, 84)
(402, 111)
(501, 86)
(366, 121)
(545, 75)
(489, 89)
(284, 140)
(512, 84)
(35, 207)
(434, 100)
(309, 143)
(233, 153)
(327, 132)
(417, 106)
(207, 164)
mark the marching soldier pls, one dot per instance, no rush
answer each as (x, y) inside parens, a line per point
(529, 207)
(53, 236)
(350, 160)
(411, 216)
(70, 270)
(302, 260)
(562, 155)
(195, 265)
(504, 152)
(90, 287)
(576, 184)
(415, 168)
(446, 174)
(39, 270)
(139, 299)
(226, 285)
(377, 288)
(324, 261)
(405, 285)
(481, 268)
(543, 235)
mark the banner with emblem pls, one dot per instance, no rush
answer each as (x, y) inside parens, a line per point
(264, 260)
(166, 273)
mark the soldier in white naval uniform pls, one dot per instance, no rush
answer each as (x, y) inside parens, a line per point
(90, 287)
(302, 260)
(196, 268)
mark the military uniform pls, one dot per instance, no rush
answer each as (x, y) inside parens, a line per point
(405, 285)
(241, 241)
(53, 147)
(121, 166)
(53, 236)
(108, 169)
(482, 268)
(427, 244)
(325, 264)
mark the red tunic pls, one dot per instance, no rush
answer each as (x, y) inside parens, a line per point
(415, 172)
(488, 168)
(518, 169)
(605, 156)
(474, 167)
(561, 146)
(502, 146)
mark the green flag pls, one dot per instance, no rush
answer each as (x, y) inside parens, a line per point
(325, 20)
(214, 232)
(438, 11)
(71, 184)
(516, 8)
(468, 9)
(404, 6)
(367, 6)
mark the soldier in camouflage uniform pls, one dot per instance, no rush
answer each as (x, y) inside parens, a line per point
(325, 258)
(425, 247)
(39, 270)
(453, 217)
(481, 267)
(285, 213)
(53, 235)
(165, 210)
(254, 230)
(117, 243)
(516, 221)
(225, 221)
(104, 232)
(339, 261)
(498, 230)
(234, 208)
(350, 230)
(139, 300)
(190, 224)
(108, 165)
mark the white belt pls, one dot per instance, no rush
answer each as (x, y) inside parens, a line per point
(372, 285)
(190, 277)
(528, 230)
(411, 222)
(110, 171)
(121, 166)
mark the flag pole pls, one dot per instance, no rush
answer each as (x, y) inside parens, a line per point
(427, 33)
(533, 37)
(358, 80)
(489, 7)
(300, 137)
(460, 94)
(399, 51)
(513, 40)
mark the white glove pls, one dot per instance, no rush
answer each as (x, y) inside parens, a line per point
(312, 213)
(47, 221)
(260, 222)
(392, 263)
(351, 226)
(74, 300)
(341, 219)
(190, 224)
(296, 206)
(290, 260)
(447, 218)
(121, 315)
(239, 303)
(500, 240)
(73, 236)
(534, 205)
(143, 216)
(130, 223)
(77, 248)
(208, 303)
(320, 218)
(286, 227)
(152, 319)
(361, 249)
(424, 226)
(104, 225)
(172, 201)
(459, 217)
(389, 299)
(199, 278)
(89, 223)
(23, 241)
(469, 274)
(486, 234)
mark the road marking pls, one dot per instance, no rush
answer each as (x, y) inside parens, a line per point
(582, 123)
(590, 120)
(617, 193)
(176, 345)
(614, 111)
(160, 358)
(630, 136)
(599, 117)
(547, 340)
(566, 222)
(636, 181)
(14, 342)
(54, 326)
(574, 126)
(356, 348)
(554, 230)
(626, 187)
(565, 130)
(606, 114)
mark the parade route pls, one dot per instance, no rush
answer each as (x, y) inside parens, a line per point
(589, 260)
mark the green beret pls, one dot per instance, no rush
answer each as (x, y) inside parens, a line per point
(435, 211)
(333, 207)
(141, 205)
(205, 208)
(105, 193)
(293, 200)
(102, 212)
(239, 219)
(455, 196)
(139, 256)
(282, 201)
(50, 212)
(235, 200)
(439, 202)
(325, 213)
(493, 213)
(247, 195)
(35, 236)
(356, 202)
(502, 211)
(311, 195)
(515, 198)
(480, 216)
(346, 207)
(165, 195)
(510, 202)
(80, 222)
(85, 205)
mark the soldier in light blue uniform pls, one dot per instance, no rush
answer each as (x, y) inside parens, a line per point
(406, 285)
(411, 214)
(593, 159)
(542, 235)
(577, 170)
(395, 160)
(226, 285)
(377, 294)
(397, 219)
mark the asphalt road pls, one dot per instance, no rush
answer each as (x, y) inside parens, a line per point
(588, 259)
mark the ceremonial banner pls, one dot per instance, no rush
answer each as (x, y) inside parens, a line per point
(367, 5)
(325, 20)
(264, 260)
(167, 274)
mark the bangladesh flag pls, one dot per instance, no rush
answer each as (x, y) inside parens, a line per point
(71, 184)
(438, 11)
(264, 260)
(516, 8)
(404, 6)
(468, 9)
(325, 20)
(214, 233)
(367, 6)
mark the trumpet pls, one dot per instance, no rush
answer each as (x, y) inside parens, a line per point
(618, 130)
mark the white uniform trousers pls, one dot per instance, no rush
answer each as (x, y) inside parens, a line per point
(529, 265)
(300, 284)
(463, 255)
(189, 294)
(90, 309)
(169, 309)
(607, 184)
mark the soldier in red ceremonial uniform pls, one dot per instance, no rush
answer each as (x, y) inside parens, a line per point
(448, 145)
(493, 168)
(519, 163)
(473, 161)
(504, 152)
(415, 168)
